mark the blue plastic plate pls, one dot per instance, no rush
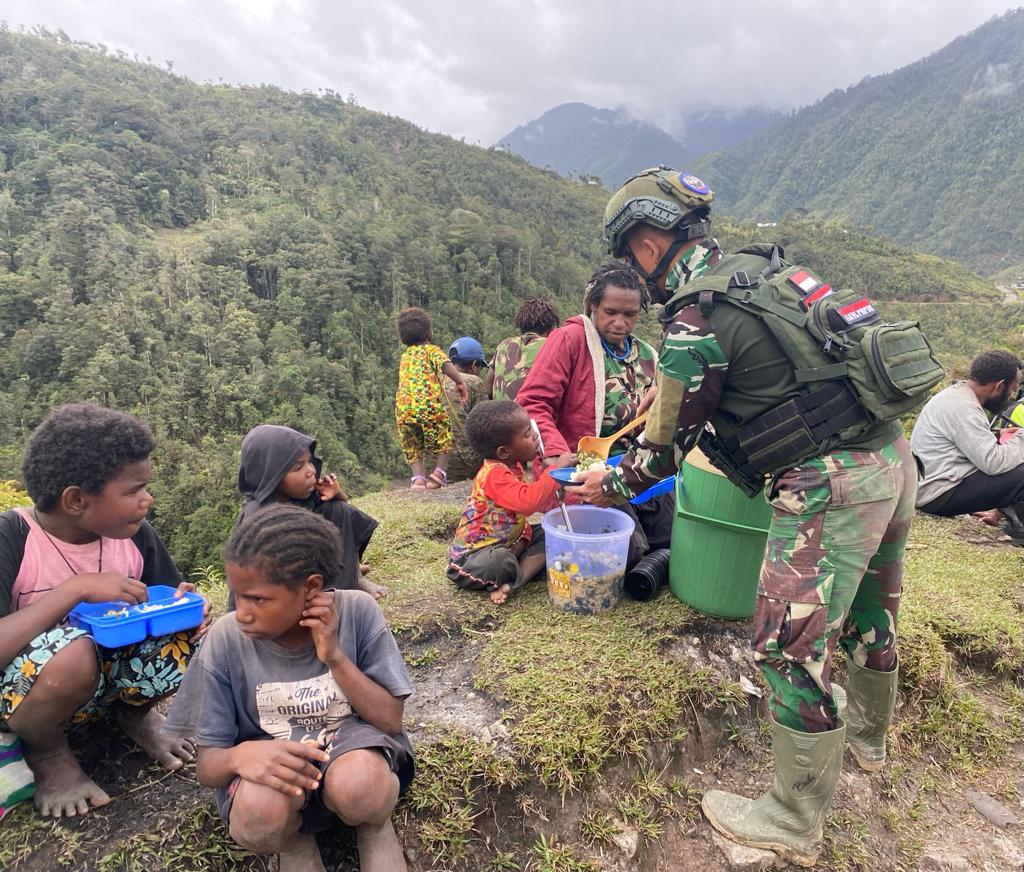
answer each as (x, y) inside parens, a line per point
(135, 623)
(564, 475)
(662, 487)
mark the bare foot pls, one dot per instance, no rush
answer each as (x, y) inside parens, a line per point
(993, 517)
(62, 788)
(144, 729)
(379, 848)
(377, 591)
(364, 568)
(303, 855)
(501, 594)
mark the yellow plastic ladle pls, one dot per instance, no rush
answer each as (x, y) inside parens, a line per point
(601, 445)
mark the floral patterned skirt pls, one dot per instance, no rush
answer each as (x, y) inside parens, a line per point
(135, 674)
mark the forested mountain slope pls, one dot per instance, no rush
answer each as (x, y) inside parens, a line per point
(930, 154)
(216, 257)
(212, 258)
(611, 145)
(581, 139)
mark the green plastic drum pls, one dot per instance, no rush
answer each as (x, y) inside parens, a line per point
(718, 539)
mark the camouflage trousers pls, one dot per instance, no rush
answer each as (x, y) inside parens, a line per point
(832, 572)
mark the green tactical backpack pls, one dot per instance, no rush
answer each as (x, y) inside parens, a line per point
(828, 334)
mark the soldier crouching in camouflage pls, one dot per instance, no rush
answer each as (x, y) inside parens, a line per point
(803, 385)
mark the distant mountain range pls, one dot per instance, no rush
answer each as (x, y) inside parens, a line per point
(578, 139)
(931, 154)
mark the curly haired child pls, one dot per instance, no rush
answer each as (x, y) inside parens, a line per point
(296, 699)
(84, 540)
(423, 423)
(494, 548)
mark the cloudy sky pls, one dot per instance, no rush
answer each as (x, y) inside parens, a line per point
(478, 69)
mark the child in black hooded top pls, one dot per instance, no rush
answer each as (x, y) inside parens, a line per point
(280, 465)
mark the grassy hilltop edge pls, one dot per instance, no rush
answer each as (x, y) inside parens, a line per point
(551, 742)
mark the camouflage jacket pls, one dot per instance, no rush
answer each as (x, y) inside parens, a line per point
(691, 374)
(512, 361)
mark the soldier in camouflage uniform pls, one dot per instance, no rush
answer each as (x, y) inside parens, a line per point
(535, 319)
(834, 559)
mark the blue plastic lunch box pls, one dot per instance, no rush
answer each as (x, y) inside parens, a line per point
(116, 631)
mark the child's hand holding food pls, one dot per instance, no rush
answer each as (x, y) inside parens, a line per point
(188, 587)
(102, 587)
(329, 489)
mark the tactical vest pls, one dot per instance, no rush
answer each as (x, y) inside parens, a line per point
(855, 370)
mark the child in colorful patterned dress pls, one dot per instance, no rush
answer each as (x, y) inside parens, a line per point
(423, 423)
(495, 549)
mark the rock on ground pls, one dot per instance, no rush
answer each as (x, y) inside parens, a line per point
(992, 810)
(742, 858)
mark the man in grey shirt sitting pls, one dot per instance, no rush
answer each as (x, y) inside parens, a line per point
(965, 468)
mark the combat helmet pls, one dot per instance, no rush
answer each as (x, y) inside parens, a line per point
(662, 197)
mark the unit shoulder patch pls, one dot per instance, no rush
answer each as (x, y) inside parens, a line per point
(857, 312)
(692, 183)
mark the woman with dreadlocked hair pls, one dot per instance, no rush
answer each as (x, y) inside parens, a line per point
(296, 698)
(592, 377)
(514, 356)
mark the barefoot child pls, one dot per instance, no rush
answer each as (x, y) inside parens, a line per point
(280, 465)
(495, 549)
(296, 699)
(423, 423)
(85, 540)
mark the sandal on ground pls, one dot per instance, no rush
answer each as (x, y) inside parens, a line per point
(419, 482)
(438, 478)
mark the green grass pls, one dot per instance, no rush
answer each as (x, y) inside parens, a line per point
(961, 604)
(550, 856)
(451, 771)
(23, 831)
(971, 597)
(583, 690)
(408, 554)
(199, 842)
(846, 842)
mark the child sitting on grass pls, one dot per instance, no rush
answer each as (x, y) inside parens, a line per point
(423, 422)
(280, 465)
(495, 549)
(296, 699)
(85, 540)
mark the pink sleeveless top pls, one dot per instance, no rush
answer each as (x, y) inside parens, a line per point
(43, 568)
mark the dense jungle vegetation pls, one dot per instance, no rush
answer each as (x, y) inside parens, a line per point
(212, 257)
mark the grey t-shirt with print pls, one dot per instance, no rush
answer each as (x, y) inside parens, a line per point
(238, 689)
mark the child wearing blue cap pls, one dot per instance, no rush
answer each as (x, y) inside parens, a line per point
(468, 356)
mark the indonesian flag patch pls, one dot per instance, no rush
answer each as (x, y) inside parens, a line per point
(819, 293)
(857, 312)
(803, 281)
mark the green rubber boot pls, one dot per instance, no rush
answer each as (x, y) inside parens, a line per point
(788, 818)
(870, 699)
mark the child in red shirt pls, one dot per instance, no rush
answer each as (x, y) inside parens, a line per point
(495, 549)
